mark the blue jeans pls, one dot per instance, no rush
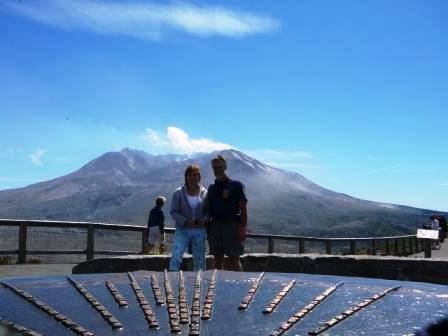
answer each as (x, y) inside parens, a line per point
(182, 238)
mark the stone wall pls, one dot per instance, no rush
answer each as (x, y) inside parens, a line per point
(394, 268)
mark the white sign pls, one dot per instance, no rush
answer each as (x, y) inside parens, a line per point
(430, 234)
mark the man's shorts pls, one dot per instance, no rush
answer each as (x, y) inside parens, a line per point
(154, 235)
(223, 238)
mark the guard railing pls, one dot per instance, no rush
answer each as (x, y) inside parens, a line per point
(22, 238)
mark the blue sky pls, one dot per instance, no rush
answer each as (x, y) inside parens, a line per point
(351, 94)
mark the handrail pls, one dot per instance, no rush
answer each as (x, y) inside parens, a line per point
(415, 245)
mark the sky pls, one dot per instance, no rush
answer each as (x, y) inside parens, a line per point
(351, 94)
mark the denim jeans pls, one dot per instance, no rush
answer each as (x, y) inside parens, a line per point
(182, 238)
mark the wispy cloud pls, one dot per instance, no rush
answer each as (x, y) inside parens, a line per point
(36, 157)
(445, 184)
(179, 141)
(143, 20)
(379, 170)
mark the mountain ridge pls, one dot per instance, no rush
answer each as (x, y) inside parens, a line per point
(119, 187)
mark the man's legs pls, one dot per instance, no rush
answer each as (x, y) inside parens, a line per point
(218, 261)
(235, 264)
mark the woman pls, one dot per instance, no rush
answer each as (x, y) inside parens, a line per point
(187, 209)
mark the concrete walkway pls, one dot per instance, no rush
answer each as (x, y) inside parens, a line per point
(7, 271)
(441, 253)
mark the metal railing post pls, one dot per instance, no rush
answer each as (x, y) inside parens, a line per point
(270, 244)
(90, 242)
(328, 246)
(352, 246)
(144, 235)
(427, 246)
(23, 230)
(373, 247)
(397, 252)
(301, 245)
(387, 247)
(403, 246)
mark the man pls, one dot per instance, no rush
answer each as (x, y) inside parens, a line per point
(227, 209)
(156, 225)
(435, 225)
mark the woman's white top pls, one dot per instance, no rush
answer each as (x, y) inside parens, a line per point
(193, 201)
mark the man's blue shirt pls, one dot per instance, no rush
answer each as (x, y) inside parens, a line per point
(224, 198)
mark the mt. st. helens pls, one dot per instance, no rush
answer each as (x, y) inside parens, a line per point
(119, 187)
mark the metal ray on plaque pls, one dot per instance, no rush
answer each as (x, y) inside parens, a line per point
(278, 298)
(245, 302)
(195, 320)
(17, 328)
(209, 298)
(53, 313)
(183, 305)
(171, 305)
(110, 319)
(285, 326)
(156, 290)
(121, 301)
(150, 317)
(351, 311)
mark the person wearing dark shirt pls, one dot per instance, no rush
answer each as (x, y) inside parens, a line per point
(227, 209)
(156, 225)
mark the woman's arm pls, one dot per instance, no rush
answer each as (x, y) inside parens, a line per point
(176, 210)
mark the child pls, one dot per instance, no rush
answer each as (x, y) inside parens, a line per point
(156, 225)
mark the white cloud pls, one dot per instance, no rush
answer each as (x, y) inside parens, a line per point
(179, 141)
(155, 138)
(143, 20)
(36, 157)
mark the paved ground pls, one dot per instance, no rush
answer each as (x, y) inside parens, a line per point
(439, 254)
(7, 271)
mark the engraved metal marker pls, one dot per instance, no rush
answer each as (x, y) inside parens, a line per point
(278, 298)
(349, 312)
(65, 321)
(183, 306)
(18, 328)
(304, 311)
(251, 293)
(171, 305)
(144, 305)
(122, 303)
(113, 322)
(196, 307)
(156, 290)
(208, 303)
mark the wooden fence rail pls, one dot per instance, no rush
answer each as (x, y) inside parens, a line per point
(397, 245)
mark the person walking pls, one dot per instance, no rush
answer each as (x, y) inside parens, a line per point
(156, 226)
(187, 209)
(435, 225)
(227, 209)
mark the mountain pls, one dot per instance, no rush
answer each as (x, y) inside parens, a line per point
(120, 187)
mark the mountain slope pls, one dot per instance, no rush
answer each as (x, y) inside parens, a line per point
(119, 187)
